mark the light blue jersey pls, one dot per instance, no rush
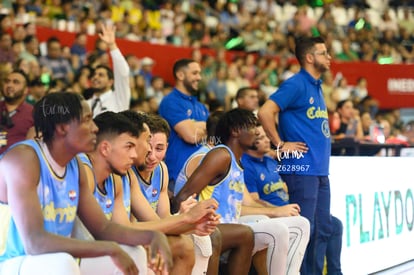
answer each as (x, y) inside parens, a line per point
(182, 176)
(152, 189)
(105, 197)
(228, 192)
(58, 198)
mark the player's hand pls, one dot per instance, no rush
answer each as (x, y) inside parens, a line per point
(189, 203)
(123, 261)
(288, 210)
(159, 254)
(208, 225)
(292, 147)
(201, 210)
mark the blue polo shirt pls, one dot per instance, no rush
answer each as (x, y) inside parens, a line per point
(303, 117)
(177, 107)
(261, 177)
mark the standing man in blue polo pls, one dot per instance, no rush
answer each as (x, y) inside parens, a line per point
(185, 114)
(303, 144)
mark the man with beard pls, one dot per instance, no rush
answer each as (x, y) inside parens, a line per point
(303, 144)
(185, 114)
(15, 114)
(105, 98)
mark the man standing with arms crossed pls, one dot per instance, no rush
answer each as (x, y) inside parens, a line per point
(303, 144)
(185, 114)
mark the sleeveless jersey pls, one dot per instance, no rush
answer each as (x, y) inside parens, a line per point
(228, 192)
(152, 189)
(104, 198)
(182, 175)
(58, 197)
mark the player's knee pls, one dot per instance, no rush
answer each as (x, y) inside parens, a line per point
(304, 224)
(183, 249)
(216, 241)
(246, 236)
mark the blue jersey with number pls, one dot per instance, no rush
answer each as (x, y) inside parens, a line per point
(303, 117)
(58, 197)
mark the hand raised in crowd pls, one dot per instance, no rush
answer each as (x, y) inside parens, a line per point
(108, 35)
(159, 254)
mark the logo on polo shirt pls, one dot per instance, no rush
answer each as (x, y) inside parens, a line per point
(311, 100)
(262, 176)
(189, 112)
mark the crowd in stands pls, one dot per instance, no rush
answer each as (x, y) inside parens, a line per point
(262, 31)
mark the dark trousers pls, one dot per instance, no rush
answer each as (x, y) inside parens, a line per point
(313, 195)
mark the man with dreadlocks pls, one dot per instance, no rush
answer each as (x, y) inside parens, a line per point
(220, 176)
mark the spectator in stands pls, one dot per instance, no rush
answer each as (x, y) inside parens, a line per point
(350, 122)
(406, 46)
(31, 52)
(247, 98)
(81, 83)
(366, 123)
(37, 90)
(368, 51)
(387, 23)
(406, 137)
(147, 65)
(134, 64)
(107, 98)
(15, 114)
(185, 115)
(347, 53)
(328, 90)
(342, 90)
(216, 87)
(234, 82)
(6, 50)
(78, 51)
(59, 67)
(407, 22)
(387, 54)
(141, 106)
(156, 90)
